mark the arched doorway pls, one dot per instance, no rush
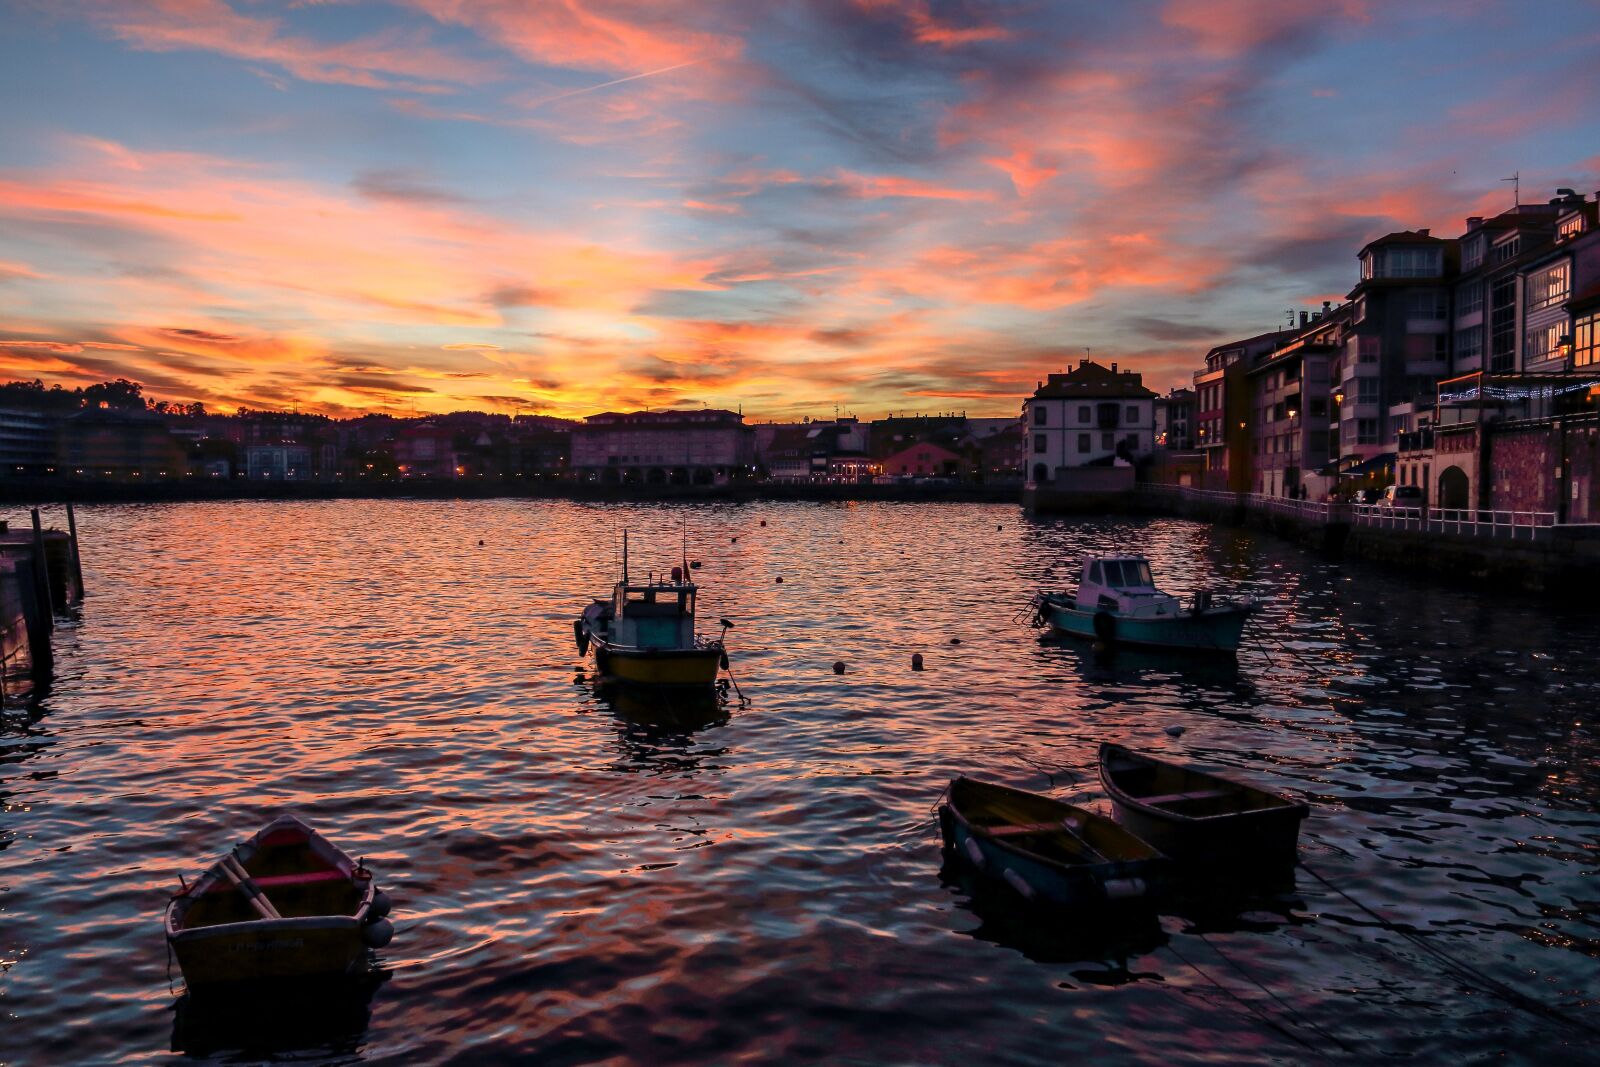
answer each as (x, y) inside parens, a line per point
(1453, 489)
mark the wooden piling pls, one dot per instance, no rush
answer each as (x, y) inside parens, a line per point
(77, 559)
(41, 574)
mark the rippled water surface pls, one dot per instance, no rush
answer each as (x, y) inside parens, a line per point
(578, 880)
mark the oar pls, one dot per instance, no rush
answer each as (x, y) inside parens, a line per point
(243, 882)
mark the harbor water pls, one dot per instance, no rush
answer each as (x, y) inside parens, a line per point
(582, 878)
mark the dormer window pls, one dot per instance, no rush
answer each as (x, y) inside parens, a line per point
(1507, 248)
(1472, 252)
(1569, 227)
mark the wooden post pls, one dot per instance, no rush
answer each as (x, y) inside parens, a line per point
(41, 574)
(77, 560)
(36, 620)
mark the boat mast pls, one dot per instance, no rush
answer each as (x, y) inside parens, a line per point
(624, 557)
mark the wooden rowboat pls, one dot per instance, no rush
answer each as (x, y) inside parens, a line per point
(284, 904)
(1199, 818)
(1045, 849)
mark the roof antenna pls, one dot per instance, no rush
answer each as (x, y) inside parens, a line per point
(1516, 187)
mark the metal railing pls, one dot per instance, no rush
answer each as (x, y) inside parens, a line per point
(1461, 522)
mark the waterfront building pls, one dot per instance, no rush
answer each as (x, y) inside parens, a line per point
(280, 463)
(1222, 409)
(999, 457)
(27, 442)
(1294, 438)
(1175, 418)
(816, 452)
(1090, 416)
(111, 444)
(698, 447)
(924, 459)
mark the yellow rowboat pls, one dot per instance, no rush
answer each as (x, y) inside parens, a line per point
(286, 904)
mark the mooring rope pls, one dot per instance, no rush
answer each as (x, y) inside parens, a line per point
(1251, 1008)
(1461, 968)
(1294, 1014)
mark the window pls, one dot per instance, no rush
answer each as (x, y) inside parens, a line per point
(1108, 441)
(1506, 249)
(1040, 442)
(1084, 414)
(1584, 333)
(1503, 324)
(1441, 347)
(1569, 228)
(1366, 272)
(1083, 443)
(1366, 431)
(1469, 300)
(1361, 306)
(1318, 408)
(1131, 415)
(1472, 252)
(1543, 342)
(1469, 344)
(1549, 286)
(1425, 304)
(1367, 390)
(1410, 263)
(1370, 348)
(1041, 416)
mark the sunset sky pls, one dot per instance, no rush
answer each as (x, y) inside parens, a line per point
(579, 205)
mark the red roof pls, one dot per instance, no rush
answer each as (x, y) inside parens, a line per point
(1090, 379)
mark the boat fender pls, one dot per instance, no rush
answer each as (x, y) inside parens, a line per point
(1124, 888)
(1019, 883)
(580, 635)
(1105, 626)
(975, 854)
(378, 934)
(380, 906)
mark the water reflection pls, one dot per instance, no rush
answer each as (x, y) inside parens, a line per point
(318, 1022)
(657, 726)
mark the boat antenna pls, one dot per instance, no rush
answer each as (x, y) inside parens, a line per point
(686, 550)
(624, 557)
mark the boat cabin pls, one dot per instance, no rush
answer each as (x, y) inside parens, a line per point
(1122, 584)
(656, 614)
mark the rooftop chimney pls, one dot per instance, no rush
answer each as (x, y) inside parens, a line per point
(1473, 222)
(1422, 232)
(1113, 368)
(1305, 319)
(1327, 306)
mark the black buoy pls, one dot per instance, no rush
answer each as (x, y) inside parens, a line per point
(763, 522)
(735, 540)
(779, 579)
(480, 542)
(916, 661)
(955, 640)
(997, 526)
(838, 666)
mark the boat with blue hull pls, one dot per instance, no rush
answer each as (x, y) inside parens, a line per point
(1047, 850)
(1117, 602)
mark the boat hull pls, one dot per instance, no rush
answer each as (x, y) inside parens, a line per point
(1213, 630)
(690, 667)
(271, 950)
(1118, 881)
(1227, 828)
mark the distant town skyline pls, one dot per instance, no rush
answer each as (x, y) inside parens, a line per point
(572, 207)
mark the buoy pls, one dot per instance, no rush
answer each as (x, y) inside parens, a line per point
(999, 527)
(480, 542)
(838, 666)
(1017, 882)
(955, 640)
(380, 904)
(975, 853)
(763, 522)
(1174, 731)
(1124, 888)
(694, 565)
(378, 934)
(735, 540)
(916, 661)
(779, 579)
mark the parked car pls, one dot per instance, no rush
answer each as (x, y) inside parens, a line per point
(1365, 496)
(1402, 496)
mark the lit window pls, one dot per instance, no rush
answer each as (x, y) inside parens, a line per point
(1583, 341)
(1549, 286)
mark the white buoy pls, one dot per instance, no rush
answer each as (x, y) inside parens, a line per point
(975, 854)
(1019, 883)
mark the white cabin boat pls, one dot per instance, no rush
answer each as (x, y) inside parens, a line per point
(1117, 602)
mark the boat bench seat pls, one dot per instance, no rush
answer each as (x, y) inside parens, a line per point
(306, 878)
(1018, 829)
(1194, 794)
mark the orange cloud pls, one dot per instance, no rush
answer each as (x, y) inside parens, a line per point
(1229, 28)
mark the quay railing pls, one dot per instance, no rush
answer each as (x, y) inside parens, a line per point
(1462, 522)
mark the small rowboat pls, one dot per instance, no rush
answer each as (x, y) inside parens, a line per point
(1201, 818)
(284, 904)
(1045, 849)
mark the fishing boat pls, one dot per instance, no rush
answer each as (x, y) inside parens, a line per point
(284, 904)
(1047, 850)
(644, 634)
(1117, 602)
(1199, 818)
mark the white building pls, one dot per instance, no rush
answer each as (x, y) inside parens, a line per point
(1089, 416)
